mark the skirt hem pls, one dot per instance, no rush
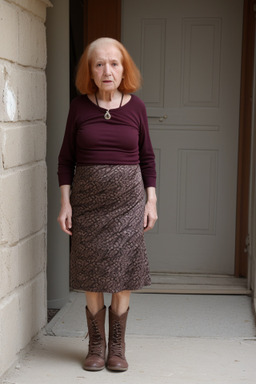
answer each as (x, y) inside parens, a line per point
(110, 290)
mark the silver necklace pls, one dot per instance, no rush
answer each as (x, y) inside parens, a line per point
(107, 115)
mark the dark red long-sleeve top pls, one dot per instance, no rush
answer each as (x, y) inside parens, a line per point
(90, 139)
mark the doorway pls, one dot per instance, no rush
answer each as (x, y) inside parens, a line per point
(194, 128)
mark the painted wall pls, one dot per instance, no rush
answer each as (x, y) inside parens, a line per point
(58, 105)
(23, 178)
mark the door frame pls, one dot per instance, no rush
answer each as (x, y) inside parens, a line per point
(244, 149)
(102, 19)
(96, 24)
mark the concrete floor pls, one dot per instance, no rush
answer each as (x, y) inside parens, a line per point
(179, 339)
(167, 315)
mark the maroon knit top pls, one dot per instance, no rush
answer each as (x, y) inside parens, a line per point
(90, 139)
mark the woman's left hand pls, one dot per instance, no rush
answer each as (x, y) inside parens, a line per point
(150, 213)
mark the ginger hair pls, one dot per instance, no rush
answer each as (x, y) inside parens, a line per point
(131, 81)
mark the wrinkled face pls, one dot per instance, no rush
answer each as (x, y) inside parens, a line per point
(106, 67)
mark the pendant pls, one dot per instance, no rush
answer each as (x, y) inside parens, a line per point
(107, 115)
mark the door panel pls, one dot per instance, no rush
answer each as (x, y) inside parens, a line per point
(189, 53)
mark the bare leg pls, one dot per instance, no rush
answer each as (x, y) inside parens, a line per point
(95, 301)
(120, 302)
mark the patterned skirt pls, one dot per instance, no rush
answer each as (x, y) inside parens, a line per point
(108, 252)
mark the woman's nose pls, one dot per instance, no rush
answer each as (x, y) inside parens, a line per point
(107, 69)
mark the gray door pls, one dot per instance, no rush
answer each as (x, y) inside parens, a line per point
(189, 52)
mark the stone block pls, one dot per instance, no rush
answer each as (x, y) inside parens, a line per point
(1, 146)
(24, 93)
(32, 41)
(9, 332)
(9, 89)
(22, 263)
(32, 94)
(32, 310)
(23, 203)
(32, 200)
(37, 7)
(22, 315)
(9, 186)
(2, 229)
(32, 257)
(23, 143)
(9, 271)
(8, 31)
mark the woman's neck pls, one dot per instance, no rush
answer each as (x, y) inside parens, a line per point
(109, 99)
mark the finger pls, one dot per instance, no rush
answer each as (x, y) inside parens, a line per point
(147, 227)
(68, 231)
(150, 225)
(64, 228)
(69, 223)
(145, 220)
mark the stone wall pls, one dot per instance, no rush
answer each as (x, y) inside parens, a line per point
(23, 179)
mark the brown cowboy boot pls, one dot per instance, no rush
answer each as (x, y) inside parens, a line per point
(116, 346)
(95, 360)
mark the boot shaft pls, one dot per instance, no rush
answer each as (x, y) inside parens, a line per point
(116, 345)
(117, 325)
(96, 331)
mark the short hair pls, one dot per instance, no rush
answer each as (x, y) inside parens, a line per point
(86, 85)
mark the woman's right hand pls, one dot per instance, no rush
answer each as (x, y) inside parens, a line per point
(65, 215)
(65, 218)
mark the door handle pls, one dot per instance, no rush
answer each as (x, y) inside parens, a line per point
(160, 118)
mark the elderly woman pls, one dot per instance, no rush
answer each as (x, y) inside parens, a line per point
(107, 158)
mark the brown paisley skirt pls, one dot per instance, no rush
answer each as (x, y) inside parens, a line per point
(108, 252)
